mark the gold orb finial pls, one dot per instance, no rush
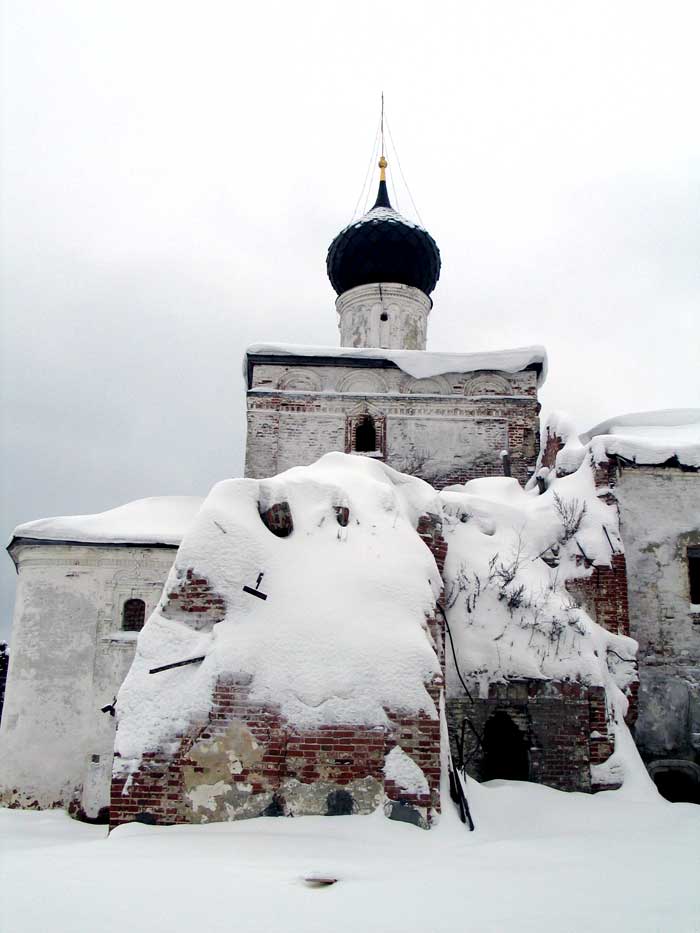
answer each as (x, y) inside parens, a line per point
(382, 168)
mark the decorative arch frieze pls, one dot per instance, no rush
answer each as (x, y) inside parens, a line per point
(435, 385)
(488, 384)
(363, 381)
(299, 380)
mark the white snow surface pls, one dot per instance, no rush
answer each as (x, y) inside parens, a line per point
(649, 437)
(540, 861)
(158, 520)
(342, 634)
(421, 364)
(404, 772)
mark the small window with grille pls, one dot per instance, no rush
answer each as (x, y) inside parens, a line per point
(133, 615)
(694, 574)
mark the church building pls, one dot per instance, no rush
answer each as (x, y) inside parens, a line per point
(422, 426)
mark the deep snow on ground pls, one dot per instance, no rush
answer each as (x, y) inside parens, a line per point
(539, 860)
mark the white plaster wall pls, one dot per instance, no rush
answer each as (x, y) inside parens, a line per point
(386, 315)
(660, 518)
(436, 445)
(68, 659)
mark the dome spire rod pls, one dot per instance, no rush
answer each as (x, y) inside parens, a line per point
(383, 193)
(382, 168)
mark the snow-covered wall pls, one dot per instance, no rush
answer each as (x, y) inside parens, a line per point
(69, 657)
(660, 520)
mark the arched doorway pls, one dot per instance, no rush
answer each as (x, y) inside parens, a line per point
(505, 750)
(677, 780)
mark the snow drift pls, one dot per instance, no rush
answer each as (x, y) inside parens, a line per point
(342, 635)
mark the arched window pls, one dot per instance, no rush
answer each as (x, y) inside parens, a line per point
(366, 435)
(133, 615)
(505, 750)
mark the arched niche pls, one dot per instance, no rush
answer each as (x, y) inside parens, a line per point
(488, 384)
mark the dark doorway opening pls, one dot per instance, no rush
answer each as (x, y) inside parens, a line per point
(366, 435)
(505, 750)
(677, 785)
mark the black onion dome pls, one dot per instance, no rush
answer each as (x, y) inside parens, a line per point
(383, 246)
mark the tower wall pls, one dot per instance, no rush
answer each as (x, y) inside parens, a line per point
(385, 315)
(69, 657)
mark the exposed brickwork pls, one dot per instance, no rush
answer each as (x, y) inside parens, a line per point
(603, 594)
(278, 518)
(563, 724)
(430, 530)
(194, 599)
(552, 445)
(283, 762)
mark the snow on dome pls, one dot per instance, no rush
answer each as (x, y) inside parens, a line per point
(342, 635)
(158, 520)
(382, 246)
(420, 364)
(649, 437)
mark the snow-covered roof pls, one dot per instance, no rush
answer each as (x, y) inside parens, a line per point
(650, 437)
(420, 364)
(158, 520)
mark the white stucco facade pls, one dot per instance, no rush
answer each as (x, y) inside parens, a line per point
(385, 315)
(660, 520)
(69, 657)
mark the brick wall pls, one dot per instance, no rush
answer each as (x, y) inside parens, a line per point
(562, 724)
(603, 594)
(247, 760)
(552, 445)
(193, 601)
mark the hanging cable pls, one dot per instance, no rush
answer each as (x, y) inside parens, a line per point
(454, 654)
(398, 162)
(369, 169)
(396, 195)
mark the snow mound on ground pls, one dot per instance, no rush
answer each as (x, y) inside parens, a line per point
(158, 520)
(420, 364)
(649, 437)
(342, 635)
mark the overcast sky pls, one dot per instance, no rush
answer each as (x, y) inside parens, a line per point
(172, 175)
